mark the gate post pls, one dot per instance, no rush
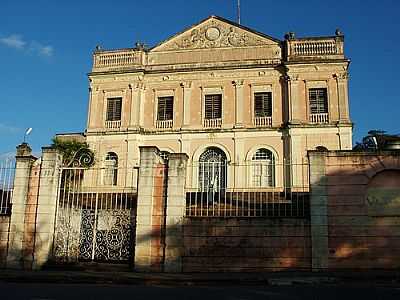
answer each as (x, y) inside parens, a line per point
(149, 246)
(47, 205)
(24, 161)
(176, 204)
(318, 211)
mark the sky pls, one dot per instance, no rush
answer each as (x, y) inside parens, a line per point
(46, 51)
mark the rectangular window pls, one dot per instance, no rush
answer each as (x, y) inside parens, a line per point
(114, 106)
(213, 106)
(318, 98)
(263, 104)
(165, 108)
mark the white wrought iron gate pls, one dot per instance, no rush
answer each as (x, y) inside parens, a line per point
(93, 223)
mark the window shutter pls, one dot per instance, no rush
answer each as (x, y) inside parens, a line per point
(114, 107)
(213, 106)
(263, 104)
(165, 109)
(318, 99)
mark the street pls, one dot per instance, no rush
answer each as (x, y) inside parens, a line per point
(36, 291)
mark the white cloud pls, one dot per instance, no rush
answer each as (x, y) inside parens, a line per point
(9, 129)
(16, 41)
(13, 41)
(40, 49)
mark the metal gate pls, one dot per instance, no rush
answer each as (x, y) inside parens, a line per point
(93, 222)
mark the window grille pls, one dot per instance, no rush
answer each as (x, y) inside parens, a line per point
(213, 106)
(263, 168)
(263, 104)
(110, 169)
(212, 170)
(165, 108)
(114, 106)
(318, 98)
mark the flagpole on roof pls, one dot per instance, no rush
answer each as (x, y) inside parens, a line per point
(238, 10)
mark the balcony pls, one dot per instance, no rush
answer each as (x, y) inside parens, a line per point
(212, 123)
(165, 124)
(262, 121)
(113, 124)
(117, 59)
(315, 48)
(319, 118)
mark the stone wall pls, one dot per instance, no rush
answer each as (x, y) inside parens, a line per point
(246, 244)
(361, 195)
(4, 235)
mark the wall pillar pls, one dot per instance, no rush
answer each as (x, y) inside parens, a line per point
(150, 220)
(343, 101)
(294, 100)
(187, 93)
(318, 211)
(46, 206)
(24, 161)
(239, 100)
(177, 164)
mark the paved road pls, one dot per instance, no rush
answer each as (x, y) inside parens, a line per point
(16, 291)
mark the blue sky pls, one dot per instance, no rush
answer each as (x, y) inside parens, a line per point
(46, 48)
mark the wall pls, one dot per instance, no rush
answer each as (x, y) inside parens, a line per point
(246, 244)
(362, 204)
(4, 236)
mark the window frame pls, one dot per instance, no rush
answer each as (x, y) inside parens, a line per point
(257, 93)
(165, 108)
(326, 100)
(108, 100)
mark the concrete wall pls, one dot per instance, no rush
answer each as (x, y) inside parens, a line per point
(4, 236)
(361, 195)
(246, 245)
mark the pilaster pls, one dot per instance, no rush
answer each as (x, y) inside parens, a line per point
(239, 101)
(175, 212)
(187, 93)
(24, 161)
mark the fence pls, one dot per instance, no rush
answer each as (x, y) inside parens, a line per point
(95, 222)
(255, 189)
(7, 172)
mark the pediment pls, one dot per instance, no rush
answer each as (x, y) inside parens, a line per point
(215, 32)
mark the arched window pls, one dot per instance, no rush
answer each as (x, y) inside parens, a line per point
(212, 170)
(110, 169)
(263, 166)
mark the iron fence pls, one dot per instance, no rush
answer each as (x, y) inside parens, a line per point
(254, 189)
(7, 173)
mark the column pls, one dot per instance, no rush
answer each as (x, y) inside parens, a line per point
(175, 212)
(47, 206)
(239, 98)
(24, 161)
(318, 211)
(187, 93)
(343, 101)
(150, 219)
(294, 99)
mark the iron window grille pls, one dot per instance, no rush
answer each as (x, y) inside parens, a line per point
(212, 170)
(165, 108)
(263, 168)
(213, 106)
(110, 169)
(318, 98)
(114, 106)
(263, 104)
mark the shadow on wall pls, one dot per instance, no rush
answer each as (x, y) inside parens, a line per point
(363, 193)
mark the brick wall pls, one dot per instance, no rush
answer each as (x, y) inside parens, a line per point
(246, 244)
(4, 230)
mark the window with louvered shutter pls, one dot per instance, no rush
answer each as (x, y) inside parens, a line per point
(213, 106)
(263, 104)
(318, 98)
(165, 108)
(114, 106)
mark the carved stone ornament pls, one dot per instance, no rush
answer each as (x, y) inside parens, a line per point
(215, 35)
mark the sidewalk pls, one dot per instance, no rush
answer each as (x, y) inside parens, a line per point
(276, 278)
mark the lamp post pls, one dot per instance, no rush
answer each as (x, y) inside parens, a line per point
(27, 132)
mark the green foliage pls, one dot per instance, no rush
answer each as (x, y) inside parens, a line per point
(70, 148)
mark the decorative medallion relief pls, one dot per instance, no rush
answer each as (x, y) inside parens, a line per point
(215, 35)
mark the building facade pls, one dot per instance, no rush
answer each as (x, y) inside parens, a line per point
(242, 105)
